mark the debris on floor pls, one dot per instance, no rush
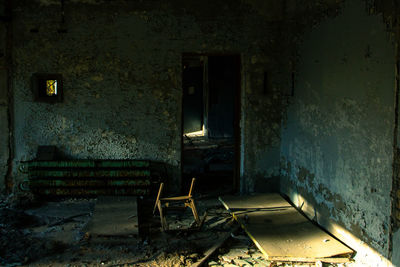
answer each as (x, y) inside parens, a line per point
(241, 251)
(56, 233)
(282, 233)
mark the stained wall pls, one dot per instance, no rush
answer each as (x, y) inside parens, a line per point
(328, 146)
(337, 136)
(4, 98)
(121, 64)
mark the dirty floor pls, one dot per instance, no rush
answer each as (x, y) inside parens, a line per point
(34, 233)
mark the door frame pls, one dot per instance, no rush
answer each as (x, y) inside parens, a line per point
(237, 116)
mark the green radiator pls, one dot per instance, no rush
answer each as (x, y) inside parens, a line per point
(88, 177)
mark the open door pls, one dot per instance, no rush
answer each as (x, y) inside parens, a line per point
(211, 104)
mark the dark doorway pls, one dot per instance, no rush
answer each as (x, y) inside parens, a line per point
(193, 97)
(210, 115)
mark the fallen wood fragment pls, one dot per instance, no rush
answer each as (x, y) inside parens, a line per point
(215, 224)
(203, 220)
(217, 245)
(197, 226)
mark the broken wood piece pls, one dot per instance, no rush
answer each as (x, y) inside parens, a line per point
(219, 222)
(217, 245)
(198, 226)
(203, 220)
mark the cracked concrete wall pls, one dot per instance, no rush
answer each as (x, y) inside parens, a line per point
(337, 138)
(121, 63)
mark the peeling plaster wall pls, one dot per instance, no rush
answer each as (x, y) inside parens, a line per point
(121, 63)
(337, 139)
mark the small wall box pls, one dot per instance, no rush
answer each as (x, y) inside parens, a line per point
(47, 87)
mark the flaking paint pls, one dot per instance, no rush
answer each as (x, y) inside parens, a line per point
(337, 140)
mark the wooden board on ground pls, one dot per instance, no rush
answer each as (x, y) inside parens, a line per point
(114, 216)
(280, 231)
(220, 241)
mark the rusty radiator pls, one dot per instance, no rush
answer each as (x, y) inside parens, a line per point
(87, 177)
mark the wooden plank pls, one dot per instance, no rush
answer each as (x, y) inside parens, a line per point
(114, 216)
(327, 260)
(279, 230)
(217, 245)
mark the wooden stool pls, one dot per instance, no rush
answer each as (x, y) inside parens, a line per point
(187, 201)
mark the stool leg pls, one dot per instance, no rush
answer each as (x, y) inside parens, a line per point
(158, 197)
(193, 207)
(162, 218)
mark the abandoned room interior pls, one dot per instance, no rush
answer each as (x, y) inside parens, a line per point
(199, 133)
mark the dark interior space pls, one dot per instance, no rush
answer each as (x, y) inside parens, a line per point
(199, 133)
(210, 87)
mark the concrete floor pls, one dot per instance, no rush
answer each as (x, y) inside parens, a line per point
(53, 241)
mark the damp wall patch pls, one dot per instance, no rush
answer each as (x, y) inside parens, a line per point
(337, 141)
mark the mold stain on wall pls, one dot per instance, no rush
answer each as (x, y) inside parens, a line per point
(338, 137)
(121, 64)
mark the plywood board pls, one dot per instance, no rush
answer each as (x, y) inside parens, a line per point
(114, 216)
(279, 230)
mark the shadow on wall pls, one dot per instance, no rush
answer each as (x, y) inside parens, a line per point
(267, 185)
